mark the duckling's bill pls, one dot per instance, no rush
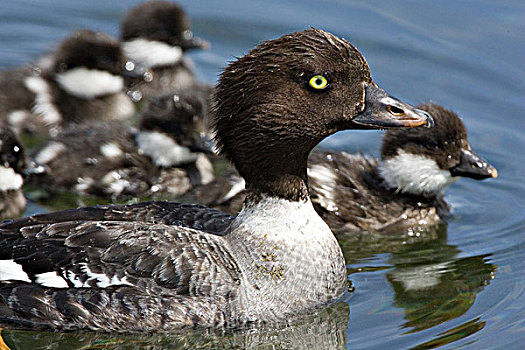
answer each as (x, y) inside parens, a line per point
(384, 111)
(473, 166)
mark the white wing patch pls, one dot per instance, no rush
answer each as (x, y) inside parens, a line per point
(163, 150)
(150, 53)
(102, 280)
(9, 179)
(89, 83)
(51, 279)
(415, 174)
(10, 270)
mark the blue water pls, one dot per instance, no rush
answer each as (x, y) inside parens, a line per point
(466, 55)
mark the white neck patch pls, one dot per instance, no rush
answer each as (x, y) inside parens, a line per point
(9, 180)
(87, 83)
(414, 174)
(287, 220)
(150, 53)
(43, 105)
(163, 150)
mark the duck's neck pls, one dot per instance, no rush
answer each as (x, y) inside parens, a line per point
(279, 173)
(287, 186)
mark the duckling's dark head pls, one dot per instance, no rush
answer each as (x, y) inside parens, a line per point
(286, 95)
(90, 50)
(161, 21)
(427, 160)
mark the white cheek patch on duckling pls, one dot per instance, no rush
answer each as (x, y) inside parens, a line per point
(87, 83)
(9, 179)
(111, 150)
(326, 181)
(415, 174)
(50, 152)
(163, 150)
(150, 53)
(43, 105)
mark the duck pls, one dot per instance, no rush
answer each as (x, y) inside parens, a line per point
(164, 266)
(81, 80)
(165, 156)
(402, 192)
(12, 166)
(155, 36)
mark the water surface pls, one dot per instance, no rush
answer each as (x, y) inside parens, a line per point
(459, 285)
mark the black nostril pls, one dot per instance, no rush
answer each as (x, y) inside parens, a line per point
(396, 111)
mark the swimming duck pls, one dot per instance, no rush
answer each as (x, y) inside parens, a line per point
(12, 164)
(133, 268)
(80, 81)
(155, 35)
(163, 157)
(404, 190)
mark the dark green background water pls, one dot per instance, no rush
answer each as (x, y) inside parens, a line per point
(461, 286)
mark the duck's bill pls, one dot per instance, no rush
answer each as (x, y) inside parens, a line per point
(473, 166)
(190, 41)
(384, 111)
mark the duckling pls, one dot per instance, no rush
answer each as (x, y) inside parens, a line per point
(165, 156)
(80, 81)
(404, 190)
(155, 35)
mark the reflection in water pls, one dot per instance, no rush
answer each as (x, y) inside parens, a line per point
(431, 283)
(433, 288)
(324, 330)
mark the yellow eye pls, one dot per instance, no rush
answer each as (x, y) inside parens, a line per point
(318, 82)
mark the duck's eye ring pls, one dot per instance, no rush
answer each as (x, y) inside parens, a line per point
(318, 82)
